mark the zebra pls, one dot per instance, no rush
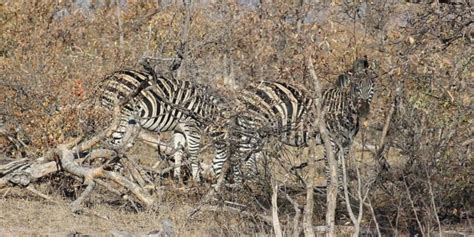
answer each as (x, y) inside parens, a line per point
(161, 105)
(285, 111)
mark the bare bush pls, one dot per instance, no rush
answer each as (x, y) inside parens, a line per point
(414, 152)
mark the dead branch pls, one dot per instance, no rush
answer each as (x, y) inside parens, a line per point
(377, 227)
(275, 219)
(23, 172)
(102, 153)
(171, 168)
(140, 193)
(133, 171)
(210, 194)
(114, 125)
(308, 210)
(332, 185)
(433, 202)
(102, 135)
(13, 165)
(75, 206)
(6, 192)
(42, 195)
(154, 142)
(27, 173)
(89, 174)
(296, 219)
(413, 206)
(381, 146)
(361, 197)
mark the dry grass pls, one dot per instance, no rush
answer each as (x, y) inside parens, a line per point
(50, 63)
(24, 214)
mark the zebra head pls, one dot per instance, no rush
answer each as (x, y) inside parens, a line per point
(362, 91)
(360, 65)
(362, 86)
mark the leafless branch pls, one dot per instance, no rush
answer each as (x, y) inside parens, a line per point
(296, 218)
(46, 197)
(275, 219)
(332, 186)
(407, 189)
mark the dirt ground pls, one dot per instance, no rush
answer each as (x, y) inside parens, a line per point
(24, 214)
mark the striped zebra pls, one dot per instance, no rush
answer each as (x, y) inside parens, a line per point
(284, 111)
(161, 105)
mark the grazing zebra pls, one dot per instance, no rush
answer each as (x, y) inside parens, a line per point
(161, 105)
(286, 112)
(255, 122)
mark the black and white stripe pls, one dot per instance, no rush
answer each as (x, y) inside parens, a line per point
(284, 111)
(162, 105)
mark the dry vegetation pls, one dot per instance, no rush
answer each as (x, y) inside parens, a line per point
(414, 151)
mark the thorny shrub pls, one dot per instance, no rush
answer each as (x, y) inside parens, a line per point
(53, 55)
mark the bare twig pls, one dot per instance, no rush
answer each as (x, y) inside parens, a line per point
(413, 206)
(6, 192)
(133, 170)
(296, 206)
(308, 210)
(75, 206)
(46, 197)
(210, 194)
(120, 29)
(153, 141)
(361, 197)
(381, 146)
(433, 203)
(275, 219)
(374, 217)
(68, 164)
(102, 153)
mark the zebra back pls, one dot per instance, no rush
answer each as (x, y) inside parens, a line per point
(276, 104)
(122, 84)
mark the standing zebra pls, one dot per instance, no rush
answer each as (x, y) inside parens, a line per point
(161, 105)
(284, 111)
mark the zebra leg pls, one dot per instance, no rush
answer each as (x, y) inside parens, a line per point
(129, 137)
(179, 141)
(345, 153)
(118, 134)
(335, 150)
(221, 153)
(250, 165)
(193, 146)
(123, 138)
(236, 171)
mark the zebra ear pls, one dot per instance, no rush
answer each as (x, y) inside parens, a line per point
(145, 62)
(360, 65)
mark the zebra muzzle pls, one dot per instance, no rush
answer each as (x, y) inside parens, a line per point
(364, 108)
